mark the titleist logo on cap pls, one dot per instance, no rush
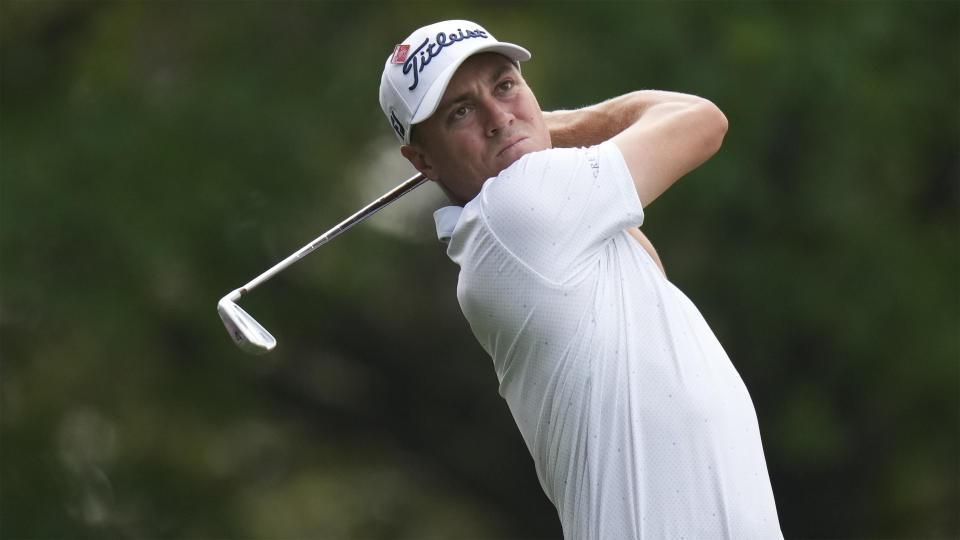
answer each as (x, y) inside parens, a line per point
(410, 91)
(415, 61)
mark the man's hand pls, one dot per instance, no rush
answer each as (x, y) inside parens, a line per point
(662, 135)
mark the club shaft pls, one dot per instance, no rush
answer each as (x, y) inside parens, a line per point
(362, 214)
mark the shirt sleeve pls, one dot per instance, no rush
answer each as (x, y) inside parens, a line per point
(555, 210)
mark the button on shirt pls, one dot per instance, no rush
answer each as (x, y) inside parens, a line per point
(638, 423)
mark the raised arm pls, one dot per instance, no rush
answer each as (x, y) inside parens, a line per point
(662, 135)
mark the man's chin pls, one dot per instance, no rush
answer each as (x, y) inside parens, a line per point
(515, 152)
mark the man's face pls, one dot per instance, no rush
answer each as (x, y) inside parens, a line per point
(487, 119)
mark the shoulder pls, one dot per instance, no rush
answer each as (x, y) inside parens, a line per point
(606, 152)
(549, 170)
(551, 157)
(532, 170)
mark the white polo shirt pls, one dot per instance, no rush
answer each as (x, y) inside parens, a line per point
(638, 423)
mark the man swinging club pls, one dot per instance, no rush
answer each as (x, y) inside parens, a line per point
(638, 424)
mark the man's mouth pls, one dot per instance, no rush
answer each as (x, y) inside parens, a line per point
(511, 145)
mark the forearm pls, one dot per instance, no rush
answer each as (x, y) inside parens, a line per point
(597, 123)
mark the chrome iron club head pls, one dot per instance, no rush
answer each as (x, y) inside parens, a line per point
(246, 332)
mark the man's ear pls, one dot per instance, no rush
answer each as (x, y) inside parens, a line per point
(419, 160)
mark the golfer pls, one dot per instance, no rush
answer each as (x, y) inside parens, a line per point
(638, 424)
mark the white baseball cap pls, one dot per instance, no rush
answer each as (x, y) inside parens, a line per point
(416, 74)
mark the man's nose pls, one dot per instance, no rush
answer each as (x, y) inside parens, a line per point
(498, 118)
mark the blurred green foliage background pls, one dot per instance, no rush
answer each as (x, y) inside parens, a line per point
(156, 155)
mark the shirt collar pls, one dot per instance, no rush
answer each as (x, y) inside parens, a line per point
(446, 219)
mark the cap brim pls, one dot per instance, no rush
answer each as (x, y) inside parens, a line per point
(432, 98)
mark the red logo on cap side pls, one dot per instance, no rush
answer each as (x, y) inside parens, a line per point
(400, 54)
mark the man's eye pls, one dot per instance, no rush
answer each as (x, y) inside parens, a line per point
(460, 112)
(506, 85)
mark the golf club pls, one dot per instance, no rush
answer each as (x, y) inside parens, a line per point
(246, 332)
